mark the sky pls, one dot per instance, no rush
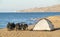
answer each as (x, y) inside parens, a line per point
(13, 5)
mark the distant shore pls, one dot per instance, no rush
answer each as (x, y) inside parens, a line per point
(55, 8)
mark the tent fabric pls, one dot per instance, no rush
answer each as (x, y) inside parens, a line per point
(44, 24)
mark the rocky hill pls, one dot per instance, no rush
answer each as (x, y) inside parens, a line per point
(55, 8)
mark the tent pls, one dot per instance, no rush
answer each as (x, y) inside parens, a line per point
(44, 24)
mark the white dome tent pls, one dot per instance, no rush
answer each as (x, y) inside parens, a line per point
(44, 24)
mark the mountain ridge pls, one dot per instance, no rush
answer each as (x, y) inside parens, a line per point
(55, 8)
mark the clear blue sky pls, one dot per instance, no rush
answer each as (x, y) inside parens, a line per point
(13, 5)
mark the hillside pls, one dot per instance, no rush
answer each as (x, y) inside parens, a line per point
(55, 20)
(55, 8)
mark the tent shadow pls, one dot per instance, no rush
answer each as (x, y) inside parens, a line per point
(56, 29)
(47, 30)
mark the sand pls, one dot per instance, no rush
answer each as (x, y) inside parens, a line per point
(56, 33)
(55, 21)
(5, 33)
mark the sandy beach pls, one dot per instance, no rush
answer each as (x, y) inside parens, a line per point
(5, 33)
(14, 33)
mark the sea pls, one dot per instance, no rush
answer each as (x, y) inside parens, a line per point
(23, 17)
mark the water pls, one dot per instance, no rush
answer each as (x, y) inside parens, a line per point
(23, 17)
